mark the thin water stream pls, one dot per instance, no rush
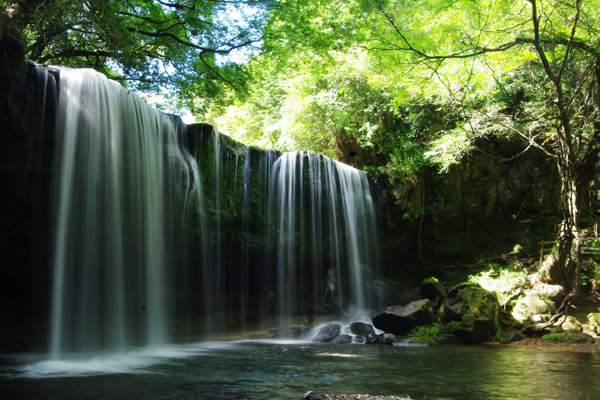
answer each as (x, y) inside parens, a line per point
(253, 370)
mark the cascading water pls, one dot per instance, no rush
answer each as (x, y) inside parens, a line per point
(326, 233)
(166, 232)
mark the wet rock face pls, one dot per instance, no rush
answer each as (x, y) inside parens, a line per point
(328, 332)
(362, 329)
(400, 320)
(384, 338)
(342, 339)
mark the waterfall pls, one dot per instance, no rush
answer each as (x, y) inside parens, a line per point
(166, 232)
(117, 161)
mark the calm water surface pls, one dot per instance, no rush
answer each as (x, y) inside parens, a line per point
(251, 370)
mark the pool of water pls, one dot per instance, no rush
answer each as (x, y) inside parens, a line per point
(259, 370)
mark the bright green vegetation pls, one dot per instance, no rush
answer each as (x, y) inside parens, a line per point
(148, 45)
(506, 283)
(432, 331)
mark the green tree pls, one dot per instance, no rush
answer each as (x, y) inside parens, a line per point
(148, 44)
(466, 46)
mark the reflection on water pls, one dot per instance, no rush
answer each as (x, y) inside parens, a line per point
(251, 370)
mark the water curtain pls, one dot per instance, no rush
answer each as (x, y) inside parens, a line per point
(165, 232)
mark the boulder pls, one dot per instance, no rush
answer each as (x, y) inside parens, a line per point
(388, 338)
(401, 320)
(470, 331)
(327, 332)
(360, 339)
(449, 339)
(533, 304)
(582, 338)
(362, 329)
(594, 320)
(343, 338)
(313, 396)
(569, 337)
(384, 338)
(571, 324)
(470, 312)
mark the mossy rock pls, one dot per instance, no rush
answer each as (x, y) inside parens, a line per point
(447, 338)
(594, 321)
(471, 300)
(432, 289)
(470, 312)
(571, 324)
(533, 304)
(568, 337)
(471, 331)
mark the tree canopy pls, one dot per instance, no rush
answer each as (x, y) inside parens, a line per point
(180, 46)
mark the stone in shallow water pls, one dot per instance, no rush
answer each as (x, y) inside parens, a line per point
(384, 338)
(362, 329)
(313, 396)
(328, 332)
(343, 338)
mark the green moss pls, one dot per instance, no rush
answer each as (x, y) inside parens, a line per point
(423, 340)
(563, 337)
(505, 283)
(431, 331)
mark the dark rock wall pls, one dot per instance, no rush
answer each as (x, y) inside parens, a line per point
(493, 200)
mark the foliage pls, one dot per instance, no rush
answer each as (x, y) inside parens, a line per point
(151, 45)
(506, 283)
(433, 331)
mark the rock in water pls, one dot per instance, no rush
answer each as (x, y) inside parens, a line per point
(327, 332)
(470, 312)
(313, 396)
(362, 329)
(343, 338)
(401, 320)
